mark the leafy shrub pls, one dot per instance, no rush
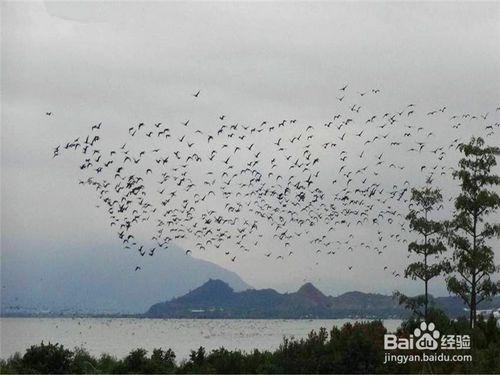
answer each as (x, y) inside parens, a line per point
(47, 359)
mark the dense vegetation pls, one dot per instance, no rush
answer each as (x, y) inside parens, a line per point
(353, 348)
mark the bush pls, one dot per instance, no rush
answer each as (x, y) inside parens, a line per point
(47, 359)
(83, 362)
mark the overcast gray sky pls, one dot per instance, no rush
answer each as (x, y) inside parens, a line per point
(125, 63)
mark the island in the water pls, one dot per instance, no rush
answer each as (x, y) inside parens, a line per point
(216, 299)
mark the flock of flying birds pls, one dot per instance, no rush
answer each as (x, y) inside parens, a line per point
(283, 185)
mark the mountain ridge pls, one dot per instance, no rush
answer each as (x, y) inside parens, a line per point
(216, 299)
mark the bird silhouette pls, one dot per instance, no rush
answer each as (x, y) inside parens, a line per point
(220, 183)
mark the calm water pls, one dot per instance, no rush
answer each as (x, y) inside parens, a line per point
(119, 336)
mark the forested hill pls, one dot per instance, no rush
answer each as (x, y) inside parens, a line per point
(216, 299)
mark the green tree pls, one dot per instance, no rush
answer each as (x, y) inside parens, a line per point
(136, 362)
(162, 361)
(473, 258)
(47, 359)
(423, 203)
(82, 362)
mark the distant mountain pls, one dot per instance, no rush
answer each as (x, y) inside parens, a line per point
(103, 281)
(216, 299)
(367, 304)
(309, 297)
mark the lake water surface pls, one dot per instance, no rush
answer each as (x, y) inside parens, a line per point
(118, 336)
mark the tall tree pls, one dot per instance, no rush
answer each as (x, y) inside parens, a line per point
(473, 258)
(423, 202)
